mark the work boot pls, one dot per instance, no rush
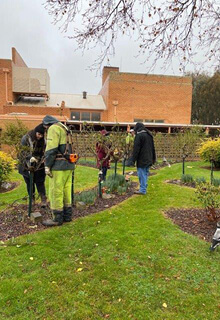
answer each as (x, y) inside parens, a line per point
(57, 219)
(50, 223)
(67, 214)
(140, 193)
(43, 200)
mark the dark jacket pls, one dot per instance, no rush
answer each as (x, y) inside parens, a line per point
(144, 152)
(31, 148)
(101, 154)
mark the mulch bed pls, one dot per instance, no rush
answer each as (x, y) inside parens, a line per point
(209, 168)
(14, 221)
(180, 183)
(12, 185)
(193, 221)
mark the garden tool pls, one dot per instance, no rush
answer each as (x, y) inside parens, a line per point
(216, 238)
(31, 169)
(100, 180)
(72, 188)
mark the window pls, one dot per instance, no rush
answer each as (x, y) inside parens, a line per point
(138, 120)
(159, 121)
(85, 116)
(75, 115)
(95, 116)
(149, 120)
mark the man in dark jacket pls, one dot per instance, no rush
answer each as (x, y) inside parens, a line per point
(143, 154)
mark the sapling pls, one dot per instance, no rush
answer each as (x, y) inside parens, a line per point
(208, 195)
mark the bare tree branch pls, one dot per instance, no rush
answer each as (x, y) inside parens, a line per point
(164, 29)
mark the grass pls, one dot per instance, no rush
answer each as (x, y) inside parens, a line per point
(85, 178)
(127, 262)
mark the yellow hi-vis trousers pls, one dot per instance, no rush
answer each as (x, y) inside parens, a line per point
(60, 187)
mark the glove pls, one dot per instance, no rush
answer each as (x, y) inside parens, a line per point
(48, 172)
(33, 159)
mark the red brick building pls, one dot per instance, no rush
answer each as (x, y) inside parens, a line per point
(124, 97)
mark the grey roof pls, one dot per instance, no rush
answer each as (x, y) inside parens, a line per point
(73, 101)
(76, 101)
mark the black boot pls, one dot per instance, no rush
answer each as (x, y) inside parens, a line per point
(43, 200)
(67, 215)
(57, 219)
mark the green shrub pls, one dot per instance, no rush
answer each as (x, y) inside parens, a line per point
(208, 195)
(88, 197)
(12, 135)
(209, 150)
(200, 180)
(216, 182)
(122, 190)
(115, 184)
(187, 178)
(6, 166)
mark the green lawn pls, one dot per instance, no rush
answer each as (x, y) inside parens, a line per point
(128, 262)
(85, 178)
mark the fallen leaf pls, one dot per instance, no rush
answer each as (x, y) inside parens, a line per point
(80, 262)
(54, 282)
(164, 305)
(31, 258)
(79, 269)
(25, 291)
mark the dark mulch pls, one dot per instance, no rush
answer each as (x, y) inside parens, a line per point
(209, 168)
(15, 222)
(10, 186)
(180, 183)
(193, 221)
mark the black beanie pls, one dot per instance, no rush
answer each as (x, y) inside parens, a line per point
(40, 128)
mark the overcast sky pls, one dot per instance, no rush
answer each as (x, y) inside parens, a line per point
(26, 25)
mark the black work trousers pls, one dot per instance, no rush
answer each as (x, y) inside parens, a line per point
(38, 180)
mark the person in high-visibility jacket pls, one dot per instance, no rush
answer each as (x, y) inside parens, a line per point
(59, 169)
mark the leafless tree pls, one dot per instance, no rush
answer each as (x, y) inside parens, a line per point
(164, 29)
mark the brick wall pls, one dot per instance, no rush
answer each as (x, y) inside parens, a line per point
(106, 71)
(105, 94)
(5, 64)
(151, 97)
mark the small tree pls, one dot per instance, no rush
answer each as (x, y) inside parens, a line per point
(120, 148)
(186, 141)
(12, 135)
(208, 195)
(114, 145)
(209, 150)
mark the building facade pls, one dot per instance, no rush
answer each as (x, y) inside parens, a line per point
(124, 97)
